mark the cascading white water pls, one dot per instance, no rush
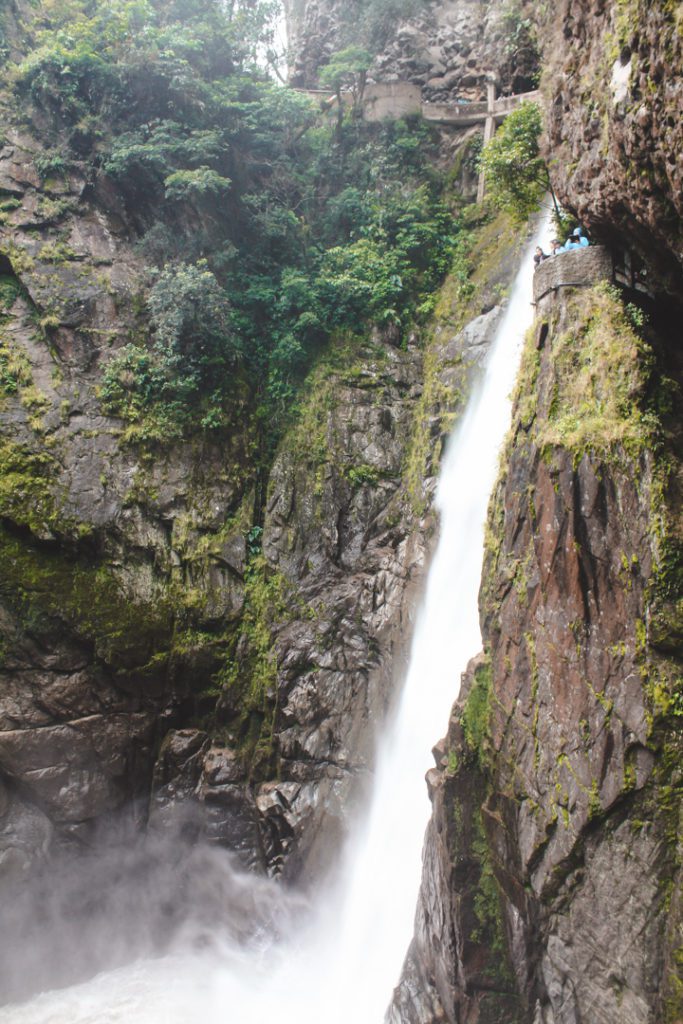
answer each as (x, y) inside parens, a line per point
(342, 964)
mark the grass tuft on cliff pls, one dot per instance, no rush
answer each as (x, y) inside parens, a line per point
(598, 398)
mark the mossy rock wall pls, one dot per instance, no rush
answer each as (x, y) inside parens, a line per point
(557, 793)
(583, 806)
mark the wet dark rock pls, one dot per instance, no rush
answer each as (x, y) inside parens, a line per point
(552, 844)
(447, 47)
(25, 836)
(82, 768)
(107, 699)
(615, 117)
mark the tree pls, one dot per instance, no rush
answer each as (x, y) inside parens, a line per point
(516, 174)
(192, 322)
(347, 69)
(195, 185)
(269, 230)
(193, 367)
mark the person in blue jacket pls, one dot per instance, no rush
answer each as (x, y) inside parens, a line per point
(577, 240)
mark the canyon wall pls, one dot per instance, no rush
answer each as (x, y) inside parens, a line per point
(448, 48)
(140, 570)
(193, 646)
(611, 82)
(132, 582)
(551, 888)
(124, 566)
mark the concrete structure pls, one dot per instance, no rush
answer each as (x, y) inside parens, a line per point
(493, 110)
(578, 268)
(490, 114)
(391, 99)
(383, 100)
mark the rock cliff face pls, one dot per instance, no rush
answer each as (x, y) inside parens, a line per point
(125, 587)
(612, 83)
(552, 870)
(559, 776)
(446, 47)
(128, 593)
(124, 568)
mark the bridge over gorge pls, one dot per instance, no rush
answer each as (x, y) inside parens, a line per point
(401, 99)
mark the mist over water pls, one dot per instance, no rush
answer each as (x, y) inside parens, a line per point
(125, 901)
(238, 949)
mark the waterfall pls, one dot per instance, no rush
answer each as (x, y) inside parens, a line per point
(341, 962)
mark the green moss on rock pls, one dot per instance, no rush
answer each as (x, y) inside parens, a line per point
(475, 715)
(48, 590)
(27, 488)
(601, 370)
(248, 680)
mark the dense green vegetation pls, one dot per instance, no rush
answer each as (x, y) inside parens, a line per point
(516, 173)
(265, 228)
(475, 713)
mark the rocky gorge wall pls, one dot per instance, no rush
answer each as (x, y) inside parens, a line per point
(447, 47)
(165, 670)
(611, 81)
(124, 569)
(125, 586)
(552, 870)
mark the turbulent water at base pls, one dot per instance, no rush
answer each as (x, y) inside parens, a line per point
(261, 958)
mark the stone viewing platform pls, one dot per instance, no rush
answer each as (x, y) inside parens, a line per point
(577, 268)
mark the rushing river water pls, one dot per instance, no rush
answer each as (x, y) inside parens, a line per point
(263, 957)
